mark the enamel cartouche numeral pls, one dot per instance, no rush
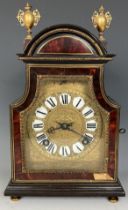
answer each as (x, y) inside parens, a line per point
(45, 138)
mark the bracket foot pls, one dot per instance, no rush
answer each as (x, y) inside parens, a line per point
(15, 198)
(113, 199)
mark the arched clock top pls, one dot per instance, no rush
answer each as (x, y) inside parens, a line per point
(65, 39)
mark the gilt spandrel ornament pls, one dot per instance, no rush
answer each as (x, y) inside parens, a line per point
(28, 19)
(101, 21)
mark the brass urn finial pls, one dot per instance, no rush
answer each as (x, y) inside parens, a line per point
(101, 20)
(28, 19)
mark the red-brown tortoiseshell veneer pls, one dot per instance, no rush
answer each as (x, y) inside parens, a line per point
(66, 45)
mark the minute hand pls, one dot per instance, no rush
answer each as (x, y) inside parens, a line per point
(70, 129)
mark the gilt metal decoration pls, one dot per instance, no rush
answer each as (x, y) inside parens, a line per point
(28, 19)
(101, 20)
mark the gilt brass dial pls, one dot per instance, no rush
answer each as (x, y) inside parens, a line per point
(64, 124)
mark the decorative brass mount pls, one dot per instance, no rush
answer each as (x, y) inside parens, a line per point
(101, 20)
(28, 19)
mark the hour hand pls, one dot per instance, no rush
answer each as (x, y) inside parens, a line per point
(52, 129)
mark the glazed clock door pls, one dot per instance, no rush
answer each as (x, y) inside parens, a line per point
(64, 128)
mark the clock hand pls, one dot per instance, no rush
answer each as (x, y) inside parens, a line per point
(52, 129)
(63, 126)
(85, 138)
(70, 129)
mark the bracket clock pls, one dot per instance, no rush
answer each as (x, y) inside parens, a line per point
(65, 128)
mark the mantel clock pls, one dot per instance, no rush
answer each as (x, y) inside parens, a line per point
(65, 128)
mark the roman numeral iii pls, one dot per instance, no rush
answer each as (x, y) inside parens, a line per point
(91, 125)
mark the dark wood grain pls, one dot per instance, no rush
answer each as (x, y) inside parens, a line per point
(66, 189)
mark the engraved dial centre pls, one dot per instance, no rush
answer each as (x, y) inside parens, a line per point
(65, 116)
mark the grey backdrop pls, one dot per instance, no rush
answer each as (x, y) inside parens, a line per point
(12, 71)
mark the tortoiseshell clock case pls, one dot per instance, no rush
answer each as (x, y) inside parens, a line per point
(61, 59)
